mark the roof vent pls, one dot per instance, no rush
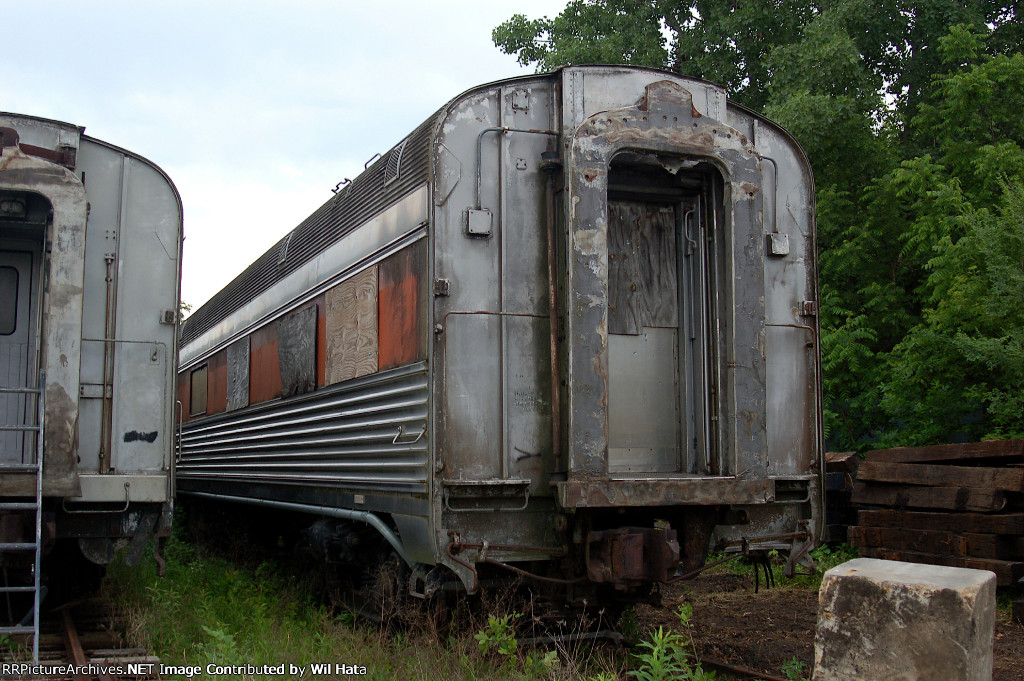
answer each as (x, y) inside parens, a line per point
(393, 169)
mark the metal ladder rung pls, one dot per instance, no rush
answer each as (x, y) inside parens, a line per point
(18, 468)
(18, 506)
(36, 506)
(23, 629)
(19, 429)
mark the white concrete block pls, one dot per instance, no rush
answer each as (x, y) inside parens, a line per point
(881, 620)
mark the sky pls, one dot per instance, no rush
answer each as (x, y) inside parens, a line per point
(255, 109)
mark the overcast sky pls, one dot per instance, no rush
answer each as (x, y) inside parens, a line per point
(255, 109)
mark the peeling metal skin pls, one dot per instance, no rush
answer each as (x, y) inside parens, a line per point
(62, 323)
(634, 493)
(663, 121)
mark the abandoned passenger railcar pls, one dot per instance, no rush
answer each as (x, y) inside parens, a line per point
(566, 327)
(90, 266)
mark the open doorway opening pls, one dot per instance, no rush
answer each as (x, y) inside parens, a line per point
(666, 259)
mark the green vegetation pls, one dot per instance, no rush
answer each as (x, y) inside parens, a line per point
(910, 113)
(211, 610)
(825, 558)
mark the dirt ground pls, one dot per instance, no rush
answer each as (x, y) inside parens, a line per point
(762, 631)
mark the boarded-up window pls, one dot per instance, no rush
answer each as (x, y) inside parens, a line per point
(296, 351)
(642, 278)
(197, 398)
(352, 327)
(238, 374)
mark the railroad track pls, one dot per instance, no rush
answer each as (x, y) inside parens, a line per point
(85, 641)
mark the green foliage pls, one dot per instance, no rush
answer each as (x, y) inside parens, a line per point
(664, 658)
(499, 637)
(604, 32)
(794, 669)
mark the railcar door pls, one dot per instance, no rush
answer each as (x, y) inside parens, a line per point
(16, 352)
(660, 322)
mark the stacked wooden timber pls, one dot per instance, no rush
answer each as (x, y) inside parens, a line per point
(959, 505)
(840, 513)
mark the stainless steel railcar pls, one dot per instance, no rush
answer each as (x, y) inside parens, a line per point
(626, 232)
(90, 255)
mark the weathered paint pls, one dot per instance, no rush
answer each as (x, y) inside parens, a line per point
(402, 306)
(217, 383)
(296, 348)
(264, 365)
(237, 374)
(663, 121)
(61, 353)
(352, 327)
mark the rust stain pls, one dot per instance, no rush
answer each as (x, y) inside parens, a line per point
(217, 390)
(60, 438)
(183, 395)
(402, 307)
(265, 371)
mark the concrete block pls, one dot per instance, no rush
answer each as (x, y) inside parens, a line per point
(881, 620)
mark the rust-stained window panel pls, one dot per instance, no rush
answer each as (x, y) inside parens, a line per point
(264, 369)
(197, 397)
(217, 384)
(402, 305)
(184, 394)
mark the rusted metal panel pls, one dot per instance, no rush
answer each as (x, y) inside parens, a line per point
(183, 395)
(198, 390)
(217, 395)
(642, 269)
(296, 348)
(352, 327)
(628, 556)
(402, 306)
(666, 492)
(264, 371)
(238, 374)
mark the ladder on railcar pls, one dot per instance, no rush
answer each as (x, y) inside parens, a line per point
(35, 469)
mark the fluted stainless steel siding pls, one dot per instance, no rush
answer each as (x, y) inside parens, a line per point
(362, 435)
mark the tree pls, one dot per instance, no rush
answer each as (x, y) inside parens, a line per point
(910, 114)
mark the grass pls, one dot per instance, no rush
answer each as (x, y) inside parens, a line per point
(208, 609)
(825, 558)
(211, 610)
